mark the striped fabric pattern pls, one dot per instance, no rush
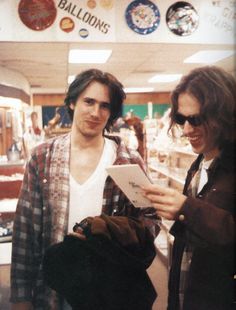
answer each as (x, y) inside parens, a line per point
(42, 215)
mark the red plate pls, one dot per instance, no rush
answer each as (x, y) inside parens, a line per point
(37, 14)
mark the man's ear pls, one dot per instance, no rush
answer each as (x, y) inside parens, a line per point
(72, 106)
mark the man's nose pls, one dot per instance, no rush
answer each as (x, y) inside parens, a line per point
(95, 111)
(187, 128)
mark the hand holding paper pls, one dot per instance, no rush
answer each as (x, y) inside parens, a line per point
(167, 201)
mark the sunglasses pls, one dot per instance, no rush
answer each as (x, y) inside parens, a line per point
(194, 120)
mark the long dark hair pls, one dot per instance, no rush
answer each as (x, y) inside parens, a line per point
(215, 90)
(82, 81)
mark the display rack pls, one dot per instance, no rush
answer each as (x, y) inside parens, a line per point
(11, 176)
(168, 161)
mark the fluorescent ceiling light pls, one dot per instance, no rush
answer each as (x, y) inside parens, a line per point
(89, 56)
(138, 89)
(209, 57)
(164, 78)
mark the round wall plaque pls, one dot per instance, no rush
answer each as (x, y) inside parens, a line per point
(67, 24)
(142, 16)
(37, 14)
(182, 19)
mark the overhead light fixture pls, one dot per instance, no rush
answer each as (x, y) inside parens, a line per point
(209, 57)
(164, 78)
(138, 89)
(77, 56)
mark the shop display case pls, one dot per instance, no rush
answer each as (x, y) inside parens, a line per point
(168, 161)
(11, 176)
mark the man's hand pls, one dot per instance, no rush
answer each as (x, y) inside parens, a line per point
(22, 306)
(167, 201)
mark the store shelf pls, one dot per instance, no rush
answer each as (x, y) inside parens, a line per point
(5, 250)
(6, 163)
(8, 205)
(183, 150)
(172, 173)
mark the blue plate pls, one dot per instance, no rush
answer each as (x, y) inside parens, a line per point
(142, 16)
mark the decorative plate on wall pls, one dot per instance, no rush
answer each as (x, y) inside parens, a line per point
(67, 24)
(37, 14)
(182, 18)
(142, 16)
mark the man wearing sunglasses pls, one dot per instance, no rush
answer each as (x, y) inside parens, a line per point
(202, 271)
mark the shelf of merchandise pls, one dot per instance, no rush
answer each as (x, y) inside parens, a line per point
(170, 172)
(168, 161)
(183, 150)
(7, 208)
(174, 171)
(11, 176)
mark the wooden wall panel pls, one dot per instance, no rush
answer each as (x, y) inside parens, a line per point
(142, 98)
(48, 100)
(138, 98)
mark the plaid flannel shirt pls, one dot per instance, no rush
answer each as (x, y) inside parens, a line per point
(42, 215)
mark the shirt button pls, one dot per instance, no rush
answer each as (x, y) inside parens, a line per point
(45, 181)
(181, 217)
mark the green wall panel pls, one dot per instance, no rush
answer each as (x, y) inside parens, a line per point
(141, 110)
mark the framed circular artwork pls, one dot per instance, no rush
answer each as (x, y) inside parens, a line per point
(38, 14)
(142, 16)
(182, 19)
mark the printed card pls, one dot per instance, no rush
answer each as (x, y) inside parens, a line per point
(130, 179)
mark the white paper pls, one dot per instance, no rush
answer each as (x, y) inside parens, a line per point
(130, 178)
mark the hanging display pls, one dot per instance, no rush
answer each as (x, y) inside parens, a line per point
(67, 24)
(38, 14)
(142, 16)
(182, 19)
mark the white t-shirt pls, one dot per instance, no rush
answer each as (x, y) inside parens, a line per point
(203, 173)
(86, 199)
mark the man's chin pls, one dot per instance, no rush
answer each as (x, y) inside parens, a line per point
(196, 150)
(91, 134)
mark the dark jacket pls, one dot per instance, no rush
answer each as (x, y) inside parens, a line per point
(107, 271)
(208, 225)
